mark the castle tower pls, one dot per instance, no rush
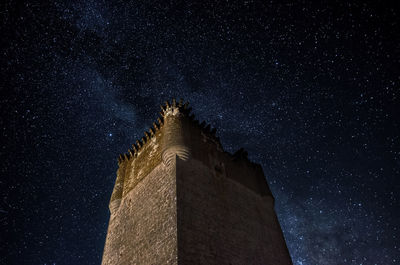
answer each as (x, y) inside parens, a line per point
(180, 199)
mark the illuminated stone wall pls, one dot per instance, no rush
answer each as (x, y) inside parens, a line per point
(143, 230)
(180, 199)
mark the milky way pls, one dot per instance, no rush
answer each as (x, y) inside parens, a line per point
(310, 91)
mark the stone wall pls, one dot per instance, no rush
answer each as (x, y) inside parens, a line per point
(143, 230)
(221, 221)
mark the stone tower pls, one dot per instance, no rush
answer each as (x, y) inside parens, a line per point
(179, 198)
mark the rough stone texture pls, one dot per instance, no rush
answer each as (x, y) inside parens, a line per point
(145, 161)
(143, 230)
(180, 199)
(223, 222)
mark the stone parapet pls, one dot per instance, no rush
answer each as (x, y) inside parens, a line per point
(178, 133)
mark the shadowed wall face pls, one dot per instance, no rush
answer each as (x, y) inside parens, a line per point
(222, 222)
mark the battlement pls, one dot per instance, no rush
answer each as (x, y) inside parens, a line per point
(168, 109)
(178, 134)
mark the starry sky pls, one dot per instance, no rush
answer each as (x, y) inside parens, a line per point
(311, 91)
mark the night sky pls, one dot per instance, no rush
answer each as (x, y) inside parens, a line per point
(311, 91)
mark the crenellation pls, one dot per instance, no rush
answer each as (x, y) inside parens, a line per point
(134, 149)
(151, 131)
(160, 122)
(131, 154)
(147, 135)
(138, 144)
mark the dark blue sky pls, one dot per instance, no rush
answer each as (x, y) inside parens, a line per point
(311, 91)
